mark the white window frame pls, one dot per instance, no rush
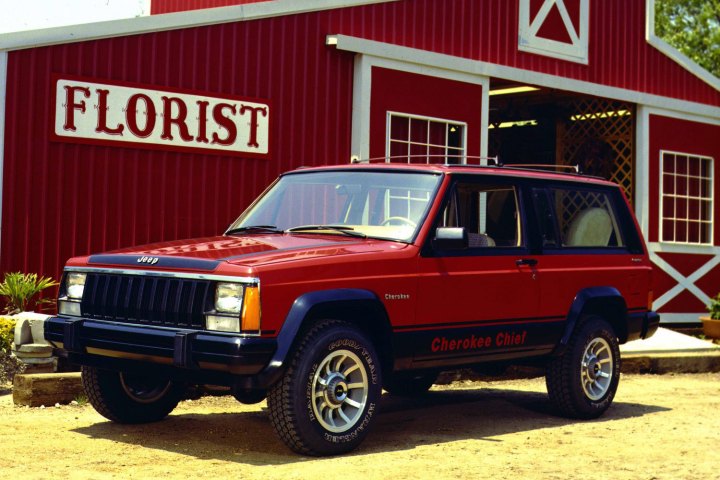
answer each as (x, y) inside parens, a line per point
(710, 241)
(462, 151)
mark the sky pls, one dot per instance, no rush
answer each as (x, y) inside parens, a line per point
(17, 15)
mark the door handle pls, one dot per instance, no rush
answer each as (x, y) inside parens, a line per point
(526, 261)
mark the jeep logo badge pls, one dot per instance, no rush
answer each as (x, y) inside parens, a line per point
(148, 260)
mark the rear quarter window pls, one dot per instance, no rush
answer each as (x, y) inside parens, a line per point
(571, 217)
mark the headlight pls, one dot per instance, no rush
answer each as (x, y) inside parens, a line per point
(69, 303)
(75, 285)
(237, 308)
(228, 298)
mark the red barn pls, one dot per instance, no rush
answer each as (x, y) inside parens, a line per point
(162, 127)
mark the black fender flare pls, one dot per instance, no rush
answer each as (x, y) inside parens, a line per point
(300, 311)
(586, 300)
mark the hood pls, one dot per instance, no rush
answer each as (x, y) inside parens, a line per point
(207, 253)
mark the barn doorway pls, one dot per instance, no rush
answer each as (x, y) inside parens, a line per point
(540, 126)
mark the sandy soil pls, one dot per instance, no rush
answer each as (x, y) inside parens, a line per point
(660, 427)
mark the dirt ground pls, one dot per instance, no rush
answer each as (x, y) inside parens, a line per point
(660, 427)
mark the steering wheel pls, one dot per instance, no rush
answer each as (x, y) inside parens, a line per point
(404, 220)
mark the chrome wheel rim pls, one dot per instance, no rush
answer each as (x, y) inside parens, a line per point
(143, 389)
(339, 391)
(596, 369)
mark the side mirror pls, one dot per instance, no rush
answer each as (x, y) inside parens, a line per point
(450, 238)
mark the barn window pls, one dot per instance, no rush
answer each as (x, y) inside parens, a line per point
(418, 139)
(686, 204)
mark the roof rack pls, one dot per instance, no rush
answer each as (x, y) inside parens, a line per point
(462, 161)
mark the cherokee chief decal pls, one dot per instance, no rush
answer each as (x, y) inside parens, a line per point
(473, 342)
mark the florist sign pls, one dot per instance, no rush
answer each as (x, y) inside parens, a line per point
(113, 114)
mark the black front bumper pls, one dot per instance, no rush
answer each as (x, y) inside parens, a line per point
(193, 355)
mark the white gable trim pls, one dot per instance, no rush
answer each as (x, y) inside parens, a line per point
(475, 67)
(171, 21)
(528, 41)
(669, 51)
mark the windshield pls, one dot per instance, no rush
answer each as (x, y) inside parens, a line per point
(389, 205)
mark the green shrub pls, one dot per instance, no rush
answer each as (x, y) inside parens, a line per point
(20, 290)
(714, 307)
(7, 334)
(9, 365)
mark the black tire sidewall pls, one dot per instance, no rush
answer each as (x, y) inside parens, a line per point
(592, 329)
(109, 398)
(315, 436)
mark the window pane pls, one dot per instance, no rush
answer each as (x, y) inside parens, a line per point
(398, 149)
(668, 184)
(399, 128)
(681, 231)
(437, 134)
(706, 211)
(681, 165)
(668, 207)
(694, 166)
(668, 227)
(419, 131)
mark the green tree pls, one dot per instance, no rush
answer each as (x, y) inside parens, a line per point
(693, 27)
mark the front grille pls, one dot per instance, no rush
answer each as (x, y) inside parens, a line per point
(148, 300)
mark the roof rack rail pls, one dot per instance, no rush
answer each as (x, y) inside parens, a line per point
(458, 159)
(462, 161)
(533, 166)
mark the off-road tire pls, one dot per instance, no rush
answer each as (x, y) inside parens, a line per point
(116, 396)
(583, 380)
(409, 384)
(333, 362)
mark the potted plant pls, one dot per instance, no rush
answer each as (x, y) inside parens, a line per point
(711, 324)
(21, 289)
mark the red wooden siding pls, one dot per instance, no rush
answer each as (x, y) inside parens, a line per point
(487, 30)
(418, 95)
(169, 6)
(63, 199)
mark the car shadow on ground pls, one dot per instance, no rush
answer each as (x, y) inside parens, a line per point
(440, 416)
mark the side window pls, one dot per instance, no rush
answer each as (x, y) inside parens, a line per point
(489, 214)
(586, 218)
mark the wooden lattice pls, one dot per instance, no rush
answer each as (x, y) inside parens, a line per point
(597, 134)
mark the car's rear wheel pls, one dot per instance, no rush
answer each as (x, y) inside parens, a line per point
(130, 397)
(328, 397)
(582, 381)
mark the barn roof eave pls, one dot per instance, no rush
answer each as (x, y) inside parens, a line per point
(170, 21)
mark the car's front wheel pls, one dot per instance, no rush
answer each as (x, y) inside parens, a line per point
(328, 396)
(582, 381)
(130, 397)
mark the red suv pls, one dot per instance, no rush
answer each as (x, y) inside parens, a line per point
(341, 281)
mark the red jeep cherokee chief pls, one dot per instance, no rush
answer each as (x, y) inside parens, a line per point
(341, 281)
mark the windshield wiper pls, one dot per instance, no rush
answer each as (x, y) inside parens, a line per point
(349, 231)
(253, 229)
